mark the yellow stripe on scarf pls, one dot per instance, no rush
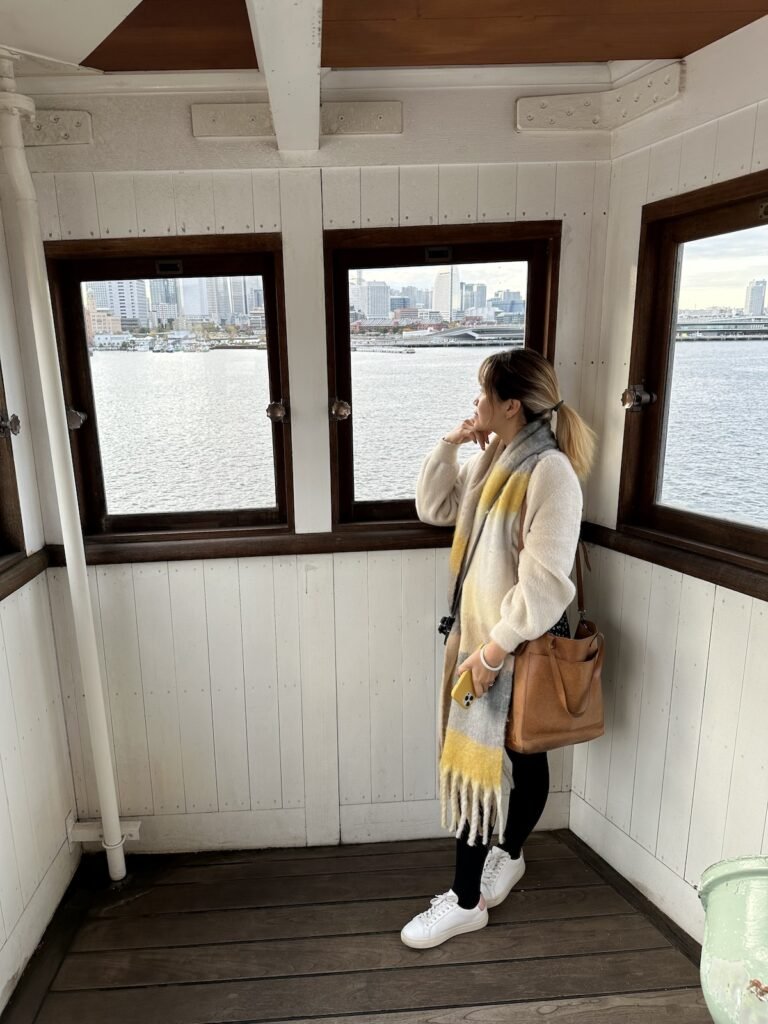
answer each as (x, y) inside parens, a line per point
(466, 758)
(509, 502)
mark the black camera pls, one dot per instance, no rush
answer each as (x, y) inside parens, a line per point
(445, 627)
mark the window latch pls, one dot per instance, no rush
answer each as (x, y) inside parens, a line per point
(75, 418)
(9, 425)
(278, 411)
(340, 410)
(635, 398)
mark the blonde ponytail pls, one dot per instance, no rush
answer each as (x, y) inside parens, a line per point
(577, 439)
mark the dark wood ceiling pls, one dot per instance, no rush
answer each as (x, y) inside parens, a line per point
(175, 35)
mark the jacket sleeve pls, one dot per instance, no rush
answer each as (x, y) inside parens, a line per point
(440, 484)
(544, 588)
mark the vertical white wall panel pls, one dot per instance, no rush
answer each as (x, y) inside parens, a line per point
(233, 202)
(303, 262)
(379, 197)
(735, 143)
(496, 192)
(115, 204)
(48, 207)
(691, 654)
(760, 148)
(318, 699)
(20, 797)
(265, 186)
(384, 630)
(611, 583)
(352, 676)
(186, 581)
(457, 194)
(573, 205)
(418, 195)
(597, 244)
(664, 168)
(11, 900)
(287, 640)
(341, 197)
(76, 200)
(225, 651)
(193, 202)
(257, 605)
(155, 206)
(663, 612)
(126, 696)
(697, 157)
(536, 183)
(719, 722)
(418, 675)
(158, 676)
(628, 690)
(748, 794)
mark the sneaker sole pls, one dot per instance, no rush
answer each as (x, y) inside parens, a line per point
(458, 930)
(491, 903)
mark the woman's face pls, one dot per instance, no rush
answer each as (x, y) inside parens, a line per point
(491, 414)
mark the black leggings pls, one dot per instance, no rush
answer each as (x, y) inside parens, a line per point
(526, 804)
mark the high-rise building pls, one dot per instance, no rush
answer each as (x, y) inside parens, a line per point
(254, 287)
(446, 294)
(194, 292)
(219, 292)
(375, 299)
(754, 304)
(398, 302)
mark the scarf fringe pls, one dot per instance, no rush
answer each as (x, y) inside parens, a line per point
(464, 799)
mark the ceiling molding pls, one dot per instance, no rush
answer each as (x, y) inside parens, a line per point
(600, 111)
(141, 83)
(507, 77)
(65, 32)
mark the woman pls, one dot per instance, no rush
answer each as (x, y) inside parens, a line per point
(502, 603)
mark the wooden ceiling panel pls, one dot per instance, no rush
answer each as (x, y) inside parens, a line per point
(179, 35)
(543, 38)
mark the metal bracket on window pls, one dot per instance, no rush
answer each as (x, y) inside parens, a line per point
(11, 425)
(278, 411)
(340, 410)
(75, 418)
(635, 398)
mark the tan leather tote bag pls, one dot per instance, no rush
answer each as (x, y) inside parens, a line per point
(557, 696)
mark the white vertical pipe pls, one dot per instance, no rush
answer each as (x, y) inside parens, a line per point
(12, 108)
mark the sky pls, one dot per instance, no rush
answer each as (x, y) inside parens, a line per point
(716, 270)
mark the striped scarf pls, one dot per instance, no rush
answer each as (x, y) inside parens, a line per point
(472, 740)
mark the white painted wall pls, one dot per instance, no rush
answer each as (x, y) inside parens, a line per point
(680, 778)
(36, 791)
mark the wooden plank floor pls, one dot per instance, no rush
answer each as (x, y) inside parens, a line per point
(299, 934)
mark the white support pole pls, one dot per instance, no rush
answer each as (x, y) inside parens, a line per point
(287, 36)
(13, 108)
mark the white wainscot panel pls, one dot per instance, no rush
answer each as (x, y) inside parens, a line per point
(341, 197)
(266, 200)
(760, 150)
(155, 208)
(379, 196)
(457, 194)
(385, 631)
(45, 190)
(664, 168)
(353, 676)
(233, 202)
(735, 143)
(496, 192)
(116, 205)
(287, 639)
(536, 191)
(697, 159)
(193, 201)
(76, 200)
(418, 195)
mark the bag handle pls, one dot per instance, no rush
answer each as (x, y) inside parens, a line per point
(579, 545)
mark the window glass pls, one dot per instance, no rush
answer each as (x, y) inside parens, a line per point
(716, 422)
(418, 336)
(180, 384)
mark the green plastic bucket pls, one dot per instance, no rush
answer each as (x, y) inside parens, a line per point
(734, 954)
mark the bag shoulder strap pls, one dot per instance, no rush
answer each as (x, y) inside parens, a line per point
(579, 547)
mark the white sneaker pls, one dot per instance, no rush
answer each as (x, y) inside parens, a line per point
(444, 919)
(500, 873)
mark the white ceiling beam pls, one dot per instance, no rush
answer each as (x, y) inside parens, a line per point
(287, 36)
(60, 31)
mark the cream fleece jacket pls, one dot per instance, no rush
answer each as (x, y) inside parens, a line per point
(518, 598)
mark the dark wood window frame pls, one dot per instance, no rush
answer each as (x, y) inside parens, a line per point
(215, 533)
(536, 242)
(16, 568)
(725, 552)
